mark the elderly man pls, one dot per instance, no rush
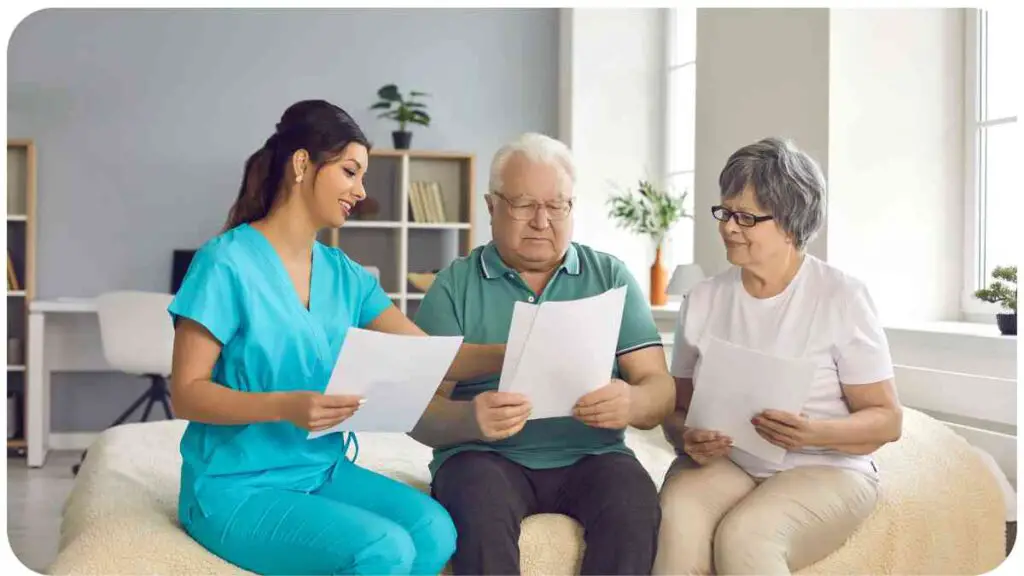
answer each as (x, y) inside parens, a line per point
(492, 467)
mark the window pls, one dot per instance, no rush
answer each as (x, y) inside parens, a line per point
(682, 113)
(993, 146)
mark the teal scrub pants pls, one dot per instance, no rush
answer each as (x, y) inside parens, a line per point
(359, 522)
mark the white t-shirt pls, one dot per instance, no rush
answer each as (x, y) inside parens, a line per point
(823, 315)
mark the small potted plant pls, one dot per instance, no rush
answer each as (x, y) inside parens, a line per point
(650, 211)
(1003, 291)
(401, 110)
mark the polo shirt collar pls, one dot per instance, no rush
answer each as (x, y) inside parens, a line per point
(492, 266)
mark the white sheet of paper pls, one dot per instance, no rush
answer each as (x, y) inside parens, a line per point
(523, 315)
(397, 375)
(735, 383)
(568, 352)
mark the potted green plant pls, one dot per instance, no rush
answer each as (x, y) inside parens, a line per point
(403, 110)
(650, 211)
(1003, 291)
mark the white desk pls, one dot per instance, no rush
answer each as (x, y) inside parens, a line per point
(64, 336)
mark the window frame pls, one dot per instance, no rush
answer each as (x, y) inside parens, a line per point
(975, 84)
(669, 175)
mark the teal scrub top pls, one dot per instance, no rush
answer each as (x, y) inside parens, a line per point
(238, 289)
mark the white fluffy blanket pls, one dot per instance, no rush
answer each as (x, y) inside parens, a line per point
(941, 511)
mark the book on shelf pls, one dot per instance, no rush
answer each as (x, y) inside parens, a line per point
(12, 276)
(426, 202)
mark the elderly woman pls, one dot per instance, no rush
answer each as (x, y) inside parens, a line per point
(725, 510)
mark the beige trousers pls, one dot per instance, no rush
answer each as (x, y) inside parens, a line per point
(718, 519)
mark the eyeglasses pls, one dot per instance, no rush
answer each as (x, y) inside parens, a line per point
(523, 210)
(745, 219)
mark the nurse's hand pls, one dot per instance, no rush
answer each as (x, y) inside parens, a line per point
(314, 411)
(500, 415)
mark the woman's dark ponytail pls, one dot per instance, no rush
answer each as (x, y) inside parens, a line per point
(256, 194)
(317, 126)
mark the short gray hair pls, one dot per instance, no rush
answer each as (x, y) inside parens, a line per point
(537, 148)
(787, 183)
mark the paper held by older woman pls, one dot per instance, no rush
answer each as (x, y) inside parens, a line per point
(739, 383)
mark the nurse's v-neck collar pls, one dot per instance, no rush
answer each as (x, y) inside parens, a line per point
(274, 259)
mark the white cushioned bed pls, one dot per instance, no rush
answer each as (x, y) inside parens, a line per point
(941, 509)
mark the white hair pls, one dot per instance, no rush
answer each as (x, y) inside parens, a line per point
(537, 148)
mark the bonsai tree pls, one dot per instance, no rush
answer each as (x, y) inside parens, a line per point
(650, 211)
(1003, 290)
(403, 110)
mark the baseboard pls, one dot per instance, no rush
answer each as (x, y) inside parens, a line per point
(72, 440)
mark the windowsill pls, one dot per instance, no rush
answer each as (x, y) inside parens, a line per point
(978, 329)
(670, 311)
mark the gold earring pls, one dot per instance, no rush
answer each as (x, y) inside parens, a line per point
(298, 179)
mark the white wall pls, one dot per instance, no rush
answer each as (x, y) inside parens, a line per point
(895, 157)
(612, 110)
(760, 72)
(876, 97)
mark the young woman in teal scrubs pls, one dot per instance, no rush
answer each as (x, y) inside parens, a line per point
(260, 318)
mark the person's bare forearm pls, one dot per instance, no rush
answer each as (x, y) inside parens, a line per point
(673, 428)
(652, 399)
(446, 422)
(210, 403)
(475, 361)
(862, 432)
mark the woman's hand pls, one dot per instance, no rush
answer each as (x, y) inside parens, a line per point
(314, 411)
(785, 430)
(705, 445)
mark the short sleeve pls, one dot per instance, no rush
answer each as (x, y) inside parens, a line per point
(638, 329)
(371, 298)
(436, 315)
(862, 350)
(684, 352)
(210, 295)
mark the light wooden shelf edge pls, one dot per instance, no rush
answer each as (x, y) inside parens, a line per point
(379, 224)
(439, 225)
(421, 154)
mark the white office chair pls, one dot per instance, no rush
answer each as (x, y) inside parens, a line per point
(137, 337)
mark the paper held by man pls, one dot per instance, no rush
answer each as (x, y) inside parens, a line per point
(396, 374)
(734, 384)
(560, 351)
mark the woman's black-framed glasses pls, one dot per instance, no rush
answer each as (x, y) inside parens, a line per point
(745, 219)
(523, 210)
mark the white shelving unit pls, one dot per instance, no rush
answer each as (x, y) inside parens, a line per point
(392, 239)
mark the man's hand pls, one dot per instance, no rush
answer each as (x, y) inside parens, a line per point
(500, 415)
(786, 430)
(606, 407)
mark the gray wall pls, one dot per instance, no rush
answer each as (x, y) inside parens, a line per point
(143, 119)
